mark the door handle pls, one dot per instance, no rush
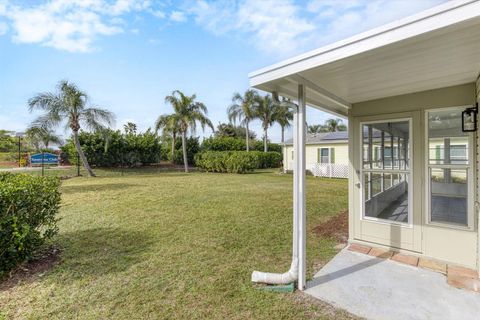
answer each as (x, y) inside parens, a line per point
(358, 184)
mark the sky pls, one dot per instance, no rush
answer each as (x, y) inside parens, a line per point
(129, 54)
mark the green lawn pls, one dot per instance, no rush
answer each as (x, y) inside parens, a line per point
(160, 245)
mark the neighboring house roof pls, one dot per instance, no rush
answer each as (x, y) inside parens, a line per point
(324, 138)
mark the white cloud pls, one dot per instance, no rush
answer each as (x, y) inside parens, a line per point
(272, 25)
(159, 14)
(3, 7)
(216, 17)
(276, 27)
(321, 5)
(3, 28)
(125, 6)
(340, 19)
(178, 16)
(285, 27)
(70, 25)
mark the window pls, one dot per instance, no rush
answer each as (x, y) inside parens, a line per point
(458, 154)
(386, 170)
(323, 155)
(326, 155)
(449, 169)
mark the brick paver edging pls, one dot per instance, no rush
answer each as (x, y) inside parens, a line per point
(458, 277)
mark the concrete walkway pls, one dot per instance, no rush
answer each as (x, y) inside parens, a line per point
(383, 289)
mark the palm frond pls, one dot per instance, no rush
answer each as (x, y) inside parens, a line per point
(46, 101)
(48, 120)
(97, 118)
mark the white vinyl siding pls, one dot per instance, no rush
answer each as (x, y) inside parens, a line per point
(338, 154)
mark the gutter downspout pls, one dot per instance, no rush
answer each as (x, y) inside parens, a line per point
(292, 274)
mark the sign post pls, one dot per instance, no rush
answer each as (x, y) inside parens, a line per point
(19, 135)
(43, 163)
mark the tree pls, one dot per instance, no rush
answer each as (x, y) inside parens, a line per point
(169, 125)
(243, 110)
(40, 137)
(265, 111)
(230, 130)
(330, 125)
(7, 141)
(316, 128)
(333, 125)
(130, 128)
(283, 115)
(187, 112)
(71, 105)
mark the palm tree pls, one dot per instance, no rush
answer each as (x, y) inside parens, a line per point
(188, 112)
(169, 125)
(333, 125)
(283, 115)
(41, 137)
(69, 104)
(316, 128)
(243, 109)
(265, 111)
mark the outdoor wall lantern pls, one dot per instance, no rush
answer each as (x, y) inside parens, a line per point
(469, 119)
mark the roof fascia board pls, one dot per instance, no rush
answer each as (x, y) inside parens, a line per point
(321, 91)
(310, 102)
(429, 20)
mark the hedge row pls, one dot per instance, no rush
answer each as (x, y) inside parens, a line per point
(237, 161)
(116, 148)
(236, 144)
(28, 209)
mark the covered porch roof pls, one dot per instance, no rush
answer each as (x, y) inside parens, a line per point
(436, 48)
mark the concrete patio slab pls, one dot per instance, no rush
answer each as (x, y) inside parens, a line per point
(383, 289)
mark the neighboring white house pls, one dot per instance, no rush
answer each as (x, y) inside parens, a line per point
(405, 88)
(326, 154)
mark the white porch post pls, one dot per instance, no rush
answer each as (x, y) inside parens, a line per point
(299, 180)
(295, 185)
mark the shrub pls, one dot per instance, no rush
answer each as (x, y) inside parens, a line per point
(193, 147)
(237, 161)
(212, 161)
(274, 147)
(224, 144)
(242, 162)
(28, 209)
(218, 143)
(116, 148)
(270, 159)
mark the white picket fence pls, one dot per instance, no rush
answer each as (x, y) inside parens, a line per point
(330, 170)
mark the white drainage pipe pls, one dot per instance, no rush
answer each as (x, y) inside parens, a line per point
(277, 278)
(292, 274)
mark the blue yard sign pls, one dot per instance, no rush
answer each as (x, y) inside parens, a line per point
(48, 158)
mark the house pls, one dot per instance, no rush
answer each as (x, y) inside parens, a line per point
(326, 154)
(409, 90)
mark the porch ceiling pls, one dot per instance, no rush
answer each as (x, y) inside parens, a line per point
(437, 48)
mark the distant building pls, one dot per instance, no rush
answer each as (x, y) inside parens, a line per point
(326, 154)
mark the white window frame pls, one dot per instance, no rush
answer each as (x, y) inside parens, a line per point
(319, 155)
(408, 172)
(471, 176)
